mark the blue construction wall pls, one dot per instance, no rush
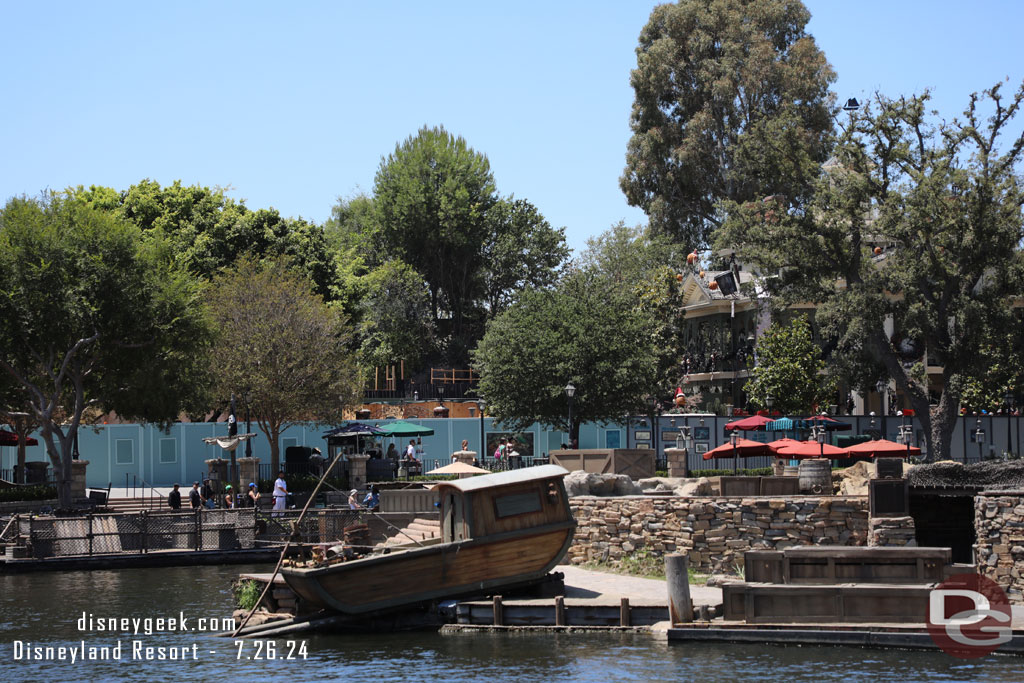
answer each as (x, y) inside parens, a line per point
(130, 454)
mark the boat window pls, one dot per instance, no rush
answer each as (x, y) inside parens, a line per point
(517, 504)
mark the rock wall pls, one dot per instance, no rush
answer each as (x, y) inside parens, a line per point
(714, 531)
(999, 549)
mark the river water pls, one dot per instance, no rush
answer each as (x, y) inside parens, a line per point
(43, 612)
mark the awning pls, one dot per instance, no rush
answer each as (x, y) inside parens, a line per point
(748, 424)
(403, 428)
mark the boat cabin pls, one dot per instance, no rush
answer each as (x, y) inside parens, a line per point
(503, 503)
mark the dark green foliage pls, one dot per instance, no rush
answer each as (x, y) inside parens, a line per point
(93, 315)
(790, 369)
(941, 204)
(32, 492)
(587, 331)
(732, 102)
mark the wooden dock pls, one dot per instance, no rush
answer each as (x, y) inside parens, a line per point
(153, 558)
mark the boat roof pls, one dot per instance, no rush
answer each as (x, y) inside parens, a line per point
(487, 481)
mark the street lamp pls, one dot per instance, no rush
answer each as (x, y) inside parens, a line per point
(881, 387)
(652, 402)
(906, 432)
(1008, 400)
(248, 427)
(734, 439)
(769, 401)
(819, 436)
(570, 392)
(481, 404)
(979, 436)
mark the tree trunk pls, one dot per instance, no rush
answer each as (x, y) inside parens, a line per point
(943, 421)
(61, 461)
(275, 452)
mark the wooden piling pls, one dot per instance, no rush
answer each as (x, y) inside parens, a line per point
(560, 619)
(677, 575)
(499, 618)
(624, 613)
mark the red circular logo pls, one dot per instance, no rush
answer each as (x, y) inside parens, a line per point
(969, 616)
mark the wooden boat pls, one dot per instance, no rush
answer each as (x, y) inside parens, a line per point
(498, 530)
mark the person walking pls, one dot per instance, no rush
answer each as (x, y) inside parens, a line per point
(280, 494)
(174, 498)
(194, 496)
(254, 495)
(206, 495)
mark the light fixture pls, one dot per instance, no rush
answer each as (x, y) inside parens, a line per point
(570, 389)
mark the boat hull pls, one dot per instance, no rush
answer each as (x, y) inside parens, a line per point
(443, 571)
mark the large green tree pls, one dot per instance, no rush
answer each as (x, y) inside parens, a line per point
(732, 102)
(280, 348)
(208, 230)
(646, 265)
(93, 315)
(587, 331)
(395, 319)
(790, 369)
(432, 196)
(438, 210)
(918, 222)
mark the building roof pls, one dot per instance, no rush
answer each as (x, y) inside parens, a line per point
(505, 478)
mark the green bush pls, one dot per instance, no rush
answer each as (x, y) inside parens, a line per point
(758, 472)
(247, 592)
(29, 492)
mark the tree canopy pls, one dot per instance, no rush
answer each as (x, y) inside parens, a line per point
(280, 348)
(915, 221)
(93, 315)
(790, 369)
(437, 208)
(731, 102)
(586, 331)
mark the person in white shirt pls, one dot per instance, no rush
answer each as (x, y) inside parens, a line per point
(280, 493)
(410, 451)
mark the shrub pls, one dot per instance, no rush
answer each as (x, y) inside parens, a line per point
(247, 592)
(30, 492)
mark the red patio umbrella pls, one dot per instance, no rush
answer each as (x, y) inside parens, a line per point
(745, 448)
(883, 448)
(9, 438)
(812, 449)
(779, 444)
(748, 424)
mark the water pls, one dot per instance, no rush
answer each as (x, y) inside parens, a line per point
(44, 609)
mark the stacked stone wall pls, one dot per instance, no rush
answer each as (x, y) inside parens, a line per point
(715, 532)
(999, 549)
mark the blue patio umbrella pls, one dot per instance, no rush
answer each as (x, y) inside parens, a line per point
(356, 429)
(786, 424)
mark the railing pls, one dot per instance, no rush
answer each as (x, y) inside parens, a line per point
(136, 533)
(152, 497)
(267, 470)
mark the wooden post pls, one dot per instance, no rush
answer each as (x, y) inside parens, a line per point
(498, 618)
(624, 616)
(560, 619)
(677, 575)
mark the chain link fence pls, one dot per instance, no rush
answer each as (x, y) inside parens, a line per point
(145, 531)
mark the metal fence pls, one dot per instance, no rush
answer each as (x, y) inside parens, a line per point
(146, 532)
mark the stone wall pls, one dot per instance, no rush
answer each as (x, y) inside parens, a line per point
(999, 525)
(714, 531)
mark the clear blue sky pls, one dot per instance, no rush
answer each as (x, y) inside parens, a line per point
(292, 105)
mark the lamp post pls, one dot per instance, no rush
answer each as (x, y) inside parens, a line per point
(652, 402)
(819, 435)
(882, 386)
(734, 439)
(769, 401)
(1008, 400)
(979, 436)
(570, 392)
(248, 427)
(481, 404)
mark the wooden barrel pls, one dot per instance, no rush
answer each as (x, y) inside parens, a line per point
(790, 471)
(816, 476)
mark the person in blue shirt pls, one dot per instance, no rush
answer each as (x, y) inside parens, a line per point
(372, 500)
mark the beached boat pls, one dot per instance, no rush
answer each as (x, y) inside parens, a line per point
(498, 530)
